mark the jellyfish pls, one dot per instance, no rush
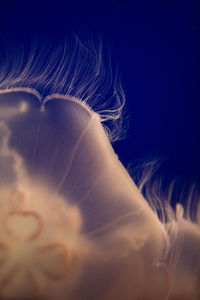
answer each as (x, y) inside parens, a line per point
(73, 224)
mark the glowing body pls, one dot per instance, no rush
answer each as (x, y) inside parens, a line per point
(109, 221)
(73, 225)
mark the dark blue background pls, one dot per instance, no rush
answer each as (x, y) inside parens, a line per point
(156, 47)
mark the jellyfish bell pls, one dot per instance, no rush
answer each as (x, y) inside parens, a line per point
(63, 163)
(73, 224)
